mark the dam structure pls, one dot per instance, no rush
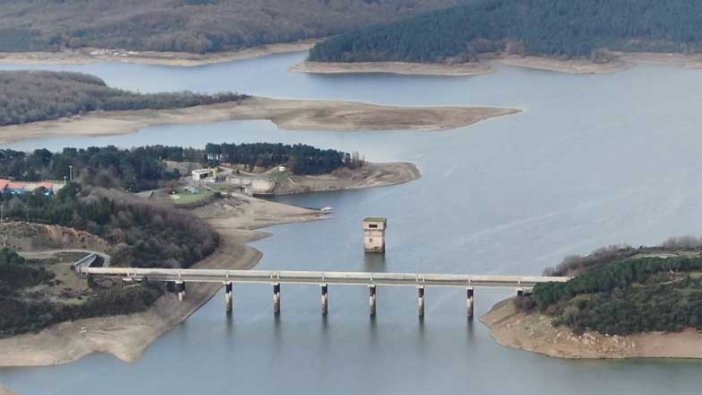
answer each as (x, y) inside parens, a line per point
(371, 280)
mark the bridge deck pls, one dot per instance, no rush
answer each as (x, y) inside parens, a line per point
(307, 277)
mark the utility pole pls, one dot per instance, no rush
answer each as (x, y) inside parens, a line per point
(70, 172)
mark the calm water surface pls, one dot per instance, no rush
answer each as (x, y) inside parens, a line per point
(592, 161)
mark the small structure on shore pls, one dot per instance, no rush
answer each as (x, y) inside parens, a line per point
(374, 234)
(204, 174)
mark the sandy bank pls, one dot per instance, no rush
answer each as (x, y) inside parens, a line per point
(127, 337)
(368, 176)
(462, 69)
(534, 332)
(180, 59)
(569, 66)
(286, 114)
(483, 66)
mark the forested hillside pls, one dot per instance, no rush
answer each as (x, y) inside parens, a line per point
(29, 96)
(143, 234)
(540, 27)
(626, 290)
(188, 25)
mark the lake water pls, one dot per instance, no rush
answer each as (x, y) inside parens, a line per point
(593, 160)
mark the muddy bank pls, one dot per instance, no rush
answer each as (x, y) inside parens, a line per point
(458, 70)
(535, 333)
(568, 66)
(127, 337)
(368, 176)
(286, 114)
(179, 59)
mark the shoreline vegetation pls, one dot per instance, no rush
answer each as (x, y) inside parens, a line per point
(621, 302)
(285, 113)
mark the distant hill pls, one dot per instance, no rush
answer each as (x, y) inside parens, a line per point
(189, 25)
(565, 28)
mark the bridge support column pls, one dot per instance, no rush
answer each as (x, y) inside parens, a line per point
(180, 289)
(372, 299)
(420, 302)
(229, 297)
(325, 299)
(470, 302)
(276, 298)
(524, 291)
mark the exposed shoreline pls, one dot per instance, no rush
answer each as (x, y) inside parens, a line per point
(176, 59)
(405, 68)
(369, 176)
(620, 61)
(534, 332)
(285, 113)
(5, 391)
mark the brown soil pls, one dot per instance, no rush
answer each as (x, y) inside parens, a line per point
(286, 114)
(534, 332)
(5, 391)
(369, 175)
(458, 70)
(22, 236)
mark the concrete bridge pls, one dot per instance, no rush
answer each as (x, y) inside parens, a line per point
(179, 277)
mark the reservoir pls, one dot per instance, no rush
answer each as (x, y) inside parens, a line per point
(593, 160)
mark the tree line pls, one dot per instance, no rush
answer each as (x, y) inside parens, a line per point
(143, 168)
(298, 158)
(30, 96)
(631, 296)
(538, 27)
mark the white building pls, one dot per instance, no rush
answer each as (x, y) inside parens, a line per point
(203, 174)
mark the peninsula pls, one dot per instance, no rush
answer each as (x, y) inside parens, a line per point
(582, 37)
(621, 303)
(94, 109)
(52, 316)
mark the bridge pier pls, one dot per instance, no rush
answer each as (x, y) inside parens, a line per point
(470, 302)
(420, 301)
(276, 298)
(524, 291)
(180, 289)
(229, 297)
(325, 299)
(372, 299)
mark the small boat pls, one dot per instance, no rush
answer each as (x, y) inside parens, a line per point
(327, 209)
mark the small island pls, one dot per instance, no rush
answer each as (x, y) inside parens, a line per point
(621, 302)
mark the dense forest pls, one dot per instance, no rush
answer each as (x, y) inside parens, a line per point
(541, 27)
(188, 25)
(19, 314)
(626, 290)
(30, 96)
(299, 158)
(143, 234)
